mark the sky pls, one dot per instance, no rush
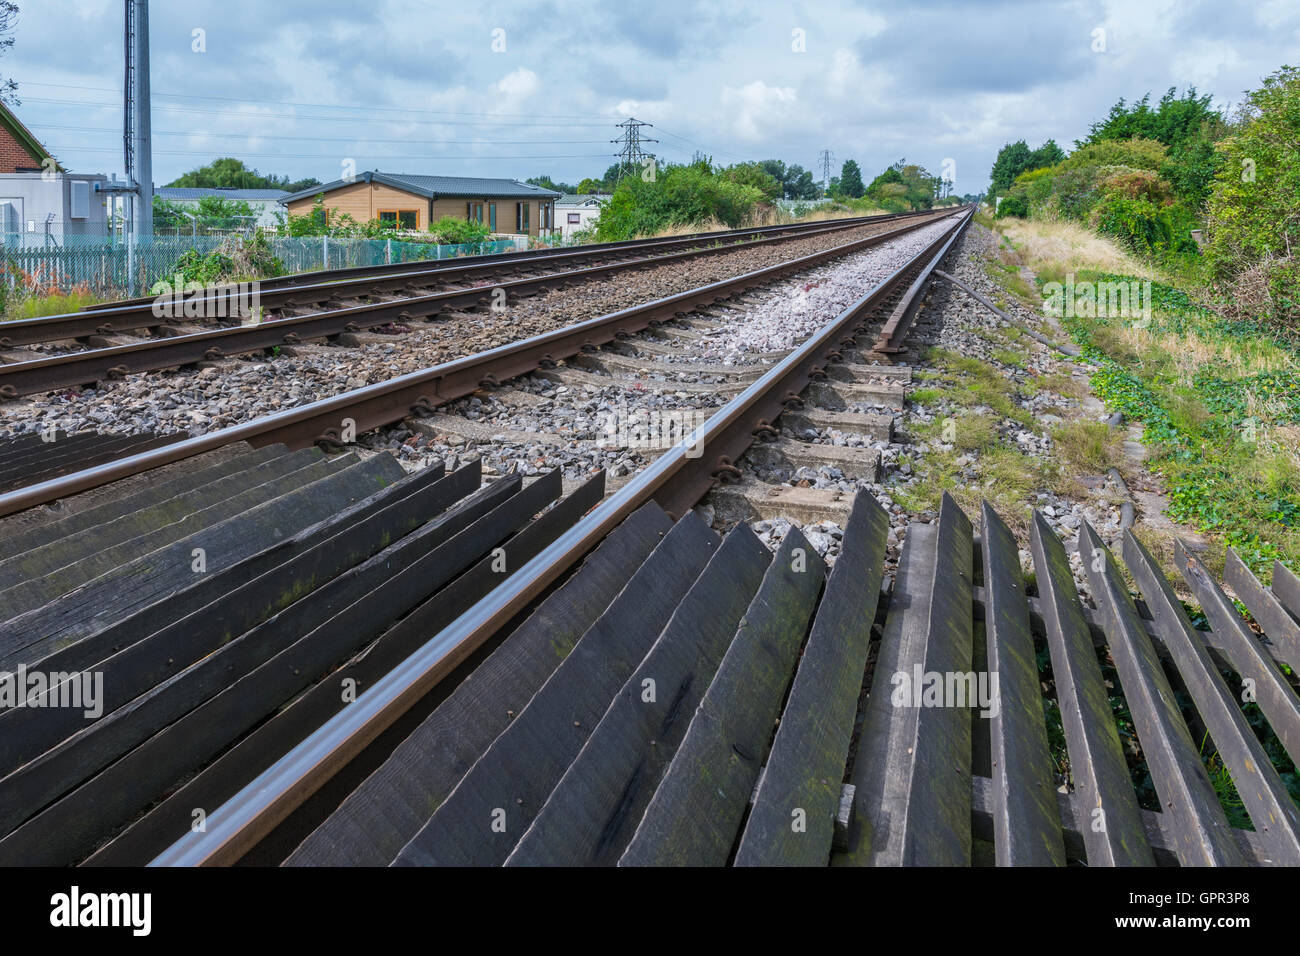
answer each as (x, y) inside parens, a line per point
(303, 87)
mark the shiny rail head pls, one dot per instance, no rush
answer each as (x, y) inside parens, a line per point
(237, 825)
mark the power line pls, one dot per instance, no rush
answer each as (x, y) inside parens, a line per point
(331, 157)
(243, 114)
(825, 160)
(340, 106)
(696, 145)
(631, 155)
(335, 139)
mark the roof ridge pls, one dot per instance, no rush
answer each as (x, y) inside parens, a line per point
(14, 126)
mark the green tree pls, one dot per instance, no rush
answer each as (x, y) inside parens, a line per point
(231, 173)
(1254, 204)
(1012, 160)
(851, 179)
(921, 186)
(546, 182)
(1016, 158)
(679, 195)
(1188, 125)
(1049, 154)
(218, 209)
(777, 170)
(1173, 121)
(214, 212)
(753, 174)
(800, 184)
(888, 177)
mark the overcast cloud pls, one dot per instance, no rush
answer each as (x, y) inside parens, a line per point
(298, 87)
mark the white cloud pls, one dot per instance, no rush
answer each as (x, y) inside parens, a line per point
(756, 108)
(719, 77)
(1202, 62)
(520, 84)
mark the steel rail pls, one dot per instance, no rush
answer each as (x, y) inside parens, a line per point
(64, 371)
(895, 329)
(61, 371)
(241, 822)
(416, 392)
(227, 301)
(80, 368)
(512, 259)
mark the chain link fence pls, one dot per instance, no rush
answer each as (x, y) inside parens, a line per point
(111, 265)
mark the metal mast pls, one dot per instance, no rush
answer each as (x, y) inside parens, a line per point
(136, 139)
(826, 159)
(631, 155)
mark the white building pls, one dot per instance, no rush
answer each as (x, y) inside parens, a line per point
(52, 203)
(265, 203)
(579, 212)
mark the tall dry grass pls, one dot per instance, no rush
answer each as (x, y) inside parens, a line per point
(1049, 247)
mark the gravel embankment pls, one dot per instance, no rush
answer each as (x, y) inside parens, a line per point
(952, 321)
(959, 319)
(578, 418)
(245, 388)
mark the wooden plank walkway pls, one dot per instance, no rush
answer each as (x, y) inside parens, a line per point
(734, 708)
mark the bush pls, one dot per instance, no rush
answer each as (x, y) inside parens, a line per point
(234, 258)
(1254, 206)
(1075, 191)
(1013, 205)
(678, 196)
(452, 231)
(1137, 153)
(1144, 227)
(1036, 186)
(1134, 183)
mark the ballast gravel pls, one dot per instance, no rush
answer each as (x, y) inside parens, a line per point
(244, 388)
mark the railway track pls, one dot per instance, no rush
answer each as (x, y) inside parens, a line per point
(91, 347)
(503, 263)
(380, 667)
(91, 613)
(391, 401)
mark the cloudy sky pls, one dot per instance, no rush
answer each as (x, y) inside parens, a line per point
(299, 87)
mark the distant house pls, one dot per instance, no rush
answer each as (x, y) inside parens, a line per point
(37, 195)
(578, 212)
(265, 203)
(413, 202)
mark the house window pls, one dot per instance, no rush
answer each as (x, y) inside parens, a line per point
(400, 218)
(492, 216)
(547, 215)
(575, 218)
(521, 217)
(474, 211)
